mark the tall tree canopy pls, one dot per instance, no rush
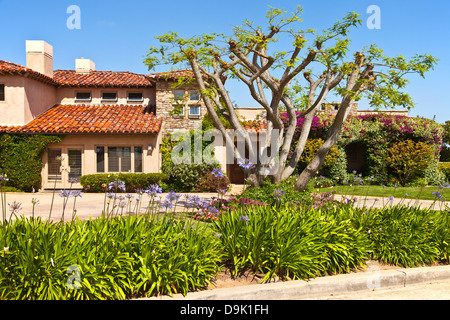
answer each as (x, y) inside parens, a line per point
(315, 65)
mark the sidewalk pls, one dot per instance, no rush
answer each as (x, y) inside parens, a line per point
(89, 205)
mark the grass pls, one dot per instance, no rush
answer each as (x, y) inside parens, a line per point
(422, 193)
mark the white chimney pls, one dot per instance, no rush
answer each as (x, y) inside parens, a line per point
(84, 65)
(40, 57)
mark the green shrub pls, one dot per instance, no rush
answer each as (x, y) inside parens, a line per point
(133, 181)
(433, 175)
(337, 170)
(211, 183)
(441, 234)
(186, 177)
(21, 159)
(445, 169)
(408, 159)
(311, 147)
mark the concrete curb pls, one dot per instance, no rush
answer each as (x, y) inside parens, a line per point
(372, 279)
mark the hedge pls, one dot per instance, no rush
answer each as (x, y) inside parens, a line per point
(21, 159)
(133, 181)
(445, 168)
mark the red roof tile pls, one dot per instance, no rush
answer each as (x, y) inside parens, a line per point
(255, 125)
(72, 78)
(170, 75)
(16, 69)
(77, 119)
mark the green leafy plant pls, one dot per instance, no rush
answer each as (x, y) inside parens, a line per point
(133, 181)
(115, 258)
(408, 159)
(288, 241)
(400, 235)
(21, 158)
(445, 169)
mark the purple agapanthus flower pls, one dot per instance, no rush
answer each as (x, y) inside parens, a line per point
(437, 194)
(15, 206)
(117, 185)
(154, 190)
(246, 165)
(167, 204)
(65, 193)
(173, 196)
(217, 172)
(278, 193)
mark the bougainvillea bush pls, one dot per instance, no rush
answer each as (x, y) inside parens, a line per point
(377, 133)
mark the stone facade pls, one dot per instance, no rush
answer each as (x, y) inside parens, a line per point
(166, 107)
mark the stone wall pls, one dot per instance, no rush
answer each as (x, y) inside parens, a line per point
(165, 103)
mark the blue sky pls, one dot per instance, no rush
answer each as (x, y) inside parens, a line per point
(117, 34)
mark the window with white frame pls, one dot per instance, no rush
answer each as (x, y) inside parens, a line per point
(119, 159)
(194, 110)
(178, 95)
(135, 97)
(109, 96)
(54, 164)
(186, 99)
(83, 97)
(194, 96)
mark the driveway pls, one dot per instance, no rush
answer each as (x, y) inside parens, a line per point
(89, 205)
(92, 204)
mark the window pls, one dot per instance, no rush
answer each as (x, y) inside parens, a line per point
(178, 110)
(137, 159)
(178, 94)
(83, 96)
(74, 156)
(2, 92)
(54, 164)
(194, 96)
(100, 151)
(135, 97)
(109, 96)
(119, 159)
(194, 110)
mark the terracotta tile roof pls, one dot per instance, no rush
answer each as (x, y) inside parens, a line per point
(72, 78)
(79, 119)
(255, 125)
(16, 69)
(171, 75)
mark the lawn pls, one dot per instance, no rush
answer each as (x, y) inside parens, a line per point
(423, 193)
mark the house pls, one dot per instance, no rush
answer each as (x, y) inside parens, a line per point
(111, 121)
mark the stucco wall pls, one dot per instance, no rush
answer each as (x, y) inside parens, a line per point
(12, 109)
(67, 95)
(88, 143)
(38, 98)
(25, 99)
(250, 113)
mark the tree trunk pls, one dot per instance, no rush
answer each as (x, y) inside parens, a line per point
(319, 158)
